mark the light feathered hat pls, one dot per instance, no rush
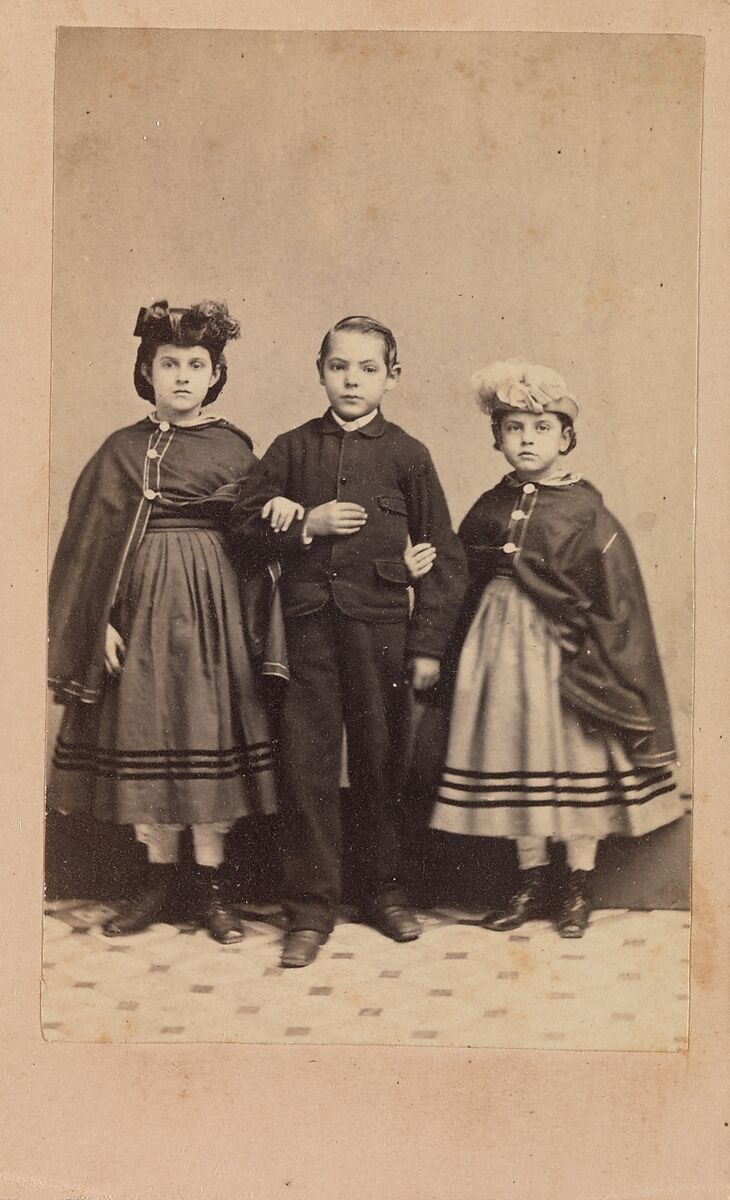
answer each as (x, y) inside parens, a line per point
(515, 383)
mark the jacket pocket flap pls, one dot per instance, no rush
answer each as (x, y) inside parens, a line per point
(391, 570)
(394, 504)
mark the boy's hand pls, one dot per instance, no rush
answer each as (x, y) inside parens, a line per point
(114, 651)
(423, 672)
(281, 513)
(419, 559)
(336, 517)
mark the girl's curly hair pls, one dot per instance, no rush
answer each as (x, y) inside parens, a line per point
(207, 323)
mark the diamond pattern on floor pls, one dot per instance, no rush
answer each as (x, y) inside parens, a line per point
(625, 988)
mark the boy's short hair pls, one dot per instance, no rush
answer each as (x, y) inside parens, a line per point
(565, 421)
(362, 325)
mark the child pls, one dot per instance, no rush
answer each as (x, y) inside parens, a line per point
(163, 726)
(560, 727)
(366, 486)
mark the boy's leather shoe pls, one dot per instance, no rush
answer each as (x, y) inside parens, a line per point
(301, 947)
(397, 922)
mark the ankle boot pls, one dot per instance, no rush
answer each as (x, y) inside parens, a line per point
(575, 904)
(151, 904)
(221, 922)
(529, 903)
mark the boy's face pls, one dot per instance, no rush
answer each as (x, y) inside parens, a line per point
(181, 377)
(532, 442)
(354, 373)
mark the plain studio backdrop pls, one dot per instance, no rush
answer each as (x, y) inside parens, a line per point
(485, 195)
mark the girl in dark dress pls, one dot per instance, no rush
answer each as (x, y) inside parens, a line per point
(560, 728)
(151, 648)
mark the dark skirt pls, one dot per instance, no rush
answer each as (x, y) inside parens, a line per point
(181, 737)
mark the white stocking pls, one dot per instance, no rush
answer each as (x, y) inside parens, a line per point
(581, 853)
(161, 841)
(208, 843)
(532, 852)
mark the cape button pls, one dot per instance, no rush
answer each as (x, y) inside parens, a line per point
(509, 548)
(165, 425)
(152, 454)
(528, 488)
(150, 494)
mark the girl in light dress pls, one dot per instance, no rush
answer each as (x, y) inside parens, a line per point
(560, 728)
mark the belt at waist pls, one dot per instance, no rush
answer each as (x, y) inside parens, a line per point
(172, 520)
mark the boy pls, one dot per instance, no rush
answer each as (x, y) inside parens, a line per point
(366, 486)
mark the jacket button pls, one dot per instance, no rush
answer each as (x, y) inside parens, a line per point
(509, 548)
(343, 479)
(333, 574)
(528, 489)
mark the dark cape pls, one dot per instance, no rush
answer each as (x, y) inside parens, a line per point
(577, 563)
(108, 516)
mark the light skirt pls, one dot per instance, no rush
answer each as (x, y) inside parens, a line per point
(519, 762)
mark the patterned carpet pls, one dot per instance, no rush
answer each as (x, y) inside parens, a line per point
(622, 987)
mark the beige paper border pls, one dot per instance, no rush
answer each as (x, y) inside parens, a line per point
(263, 1122)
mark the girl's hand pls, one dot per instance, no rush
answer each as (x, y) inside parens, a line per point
(419, 559)
(423, 672)
(565, 636)
(336, 517)
(281, 513)
(114, 651)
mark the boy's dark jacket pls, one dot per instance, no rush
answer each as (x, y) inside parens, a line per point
(578, 564)
(392, 476)
(107, 519)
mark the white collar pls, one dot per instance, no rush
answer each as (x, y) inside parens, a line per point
(203, 419)
(563, 479)
(358, 423)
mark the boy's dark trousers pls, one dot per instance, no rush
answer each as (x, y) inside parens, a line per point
(342, 670)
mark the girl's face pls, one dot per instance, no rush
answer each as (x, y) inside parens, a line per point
(355, 374)
(181, 377)
(532, 442)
